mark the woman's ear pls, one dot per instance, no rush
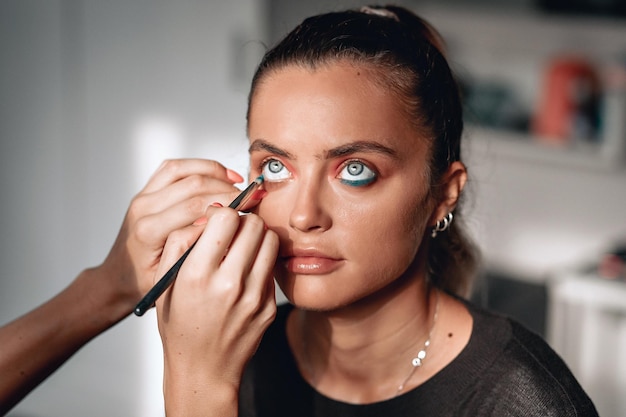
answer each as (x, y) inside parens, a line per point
(451, 186)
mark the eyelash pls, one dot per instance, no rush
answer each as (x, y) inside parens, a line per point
(371, 176)
(265, 162)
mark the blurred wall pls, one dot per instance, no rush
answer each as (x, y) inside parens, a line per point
(538, 209)
(93, 95)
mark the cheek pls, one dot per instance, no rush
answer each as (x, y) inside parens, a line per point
(416, 219)
(365, 228)
(393, 238)
(380, 232)
(274, 206)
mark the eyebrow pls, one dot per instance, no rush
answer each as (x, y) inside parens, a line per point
(361, 146)
(343, 150)
(262, 145)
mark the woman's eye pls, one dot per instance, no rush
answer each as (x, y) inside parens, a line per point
(274, 170)
(356, 173)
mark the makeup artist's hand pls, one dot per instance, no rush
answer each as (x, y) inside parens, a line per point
(176, 196)
(213, 317)
(36, 344)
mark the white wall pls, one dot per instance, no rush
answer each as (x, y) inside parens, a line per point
(92, 96)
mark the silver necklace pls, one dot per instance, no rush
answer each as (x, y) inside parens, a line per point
(418, 360)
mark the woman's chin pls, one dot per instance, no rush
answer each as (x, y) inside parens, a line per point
(314, 294)
(305, 294)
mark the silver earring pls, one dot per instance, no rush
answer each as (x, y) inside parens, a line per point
(442, 225)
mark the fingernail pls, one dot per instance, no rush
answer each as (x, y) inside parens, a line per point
(202, 220)
(216, 204)
(233, 176)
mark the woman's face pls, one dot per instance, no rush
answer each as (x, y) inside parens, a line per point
(346, 180)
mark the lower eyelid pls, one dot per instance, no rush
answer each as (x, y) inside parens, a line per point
(359, 183)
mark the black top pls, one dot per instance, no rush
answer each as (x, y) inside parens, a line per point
(505, 370)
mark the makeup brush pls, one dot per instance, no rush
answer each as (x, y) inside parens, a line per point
(155, 292)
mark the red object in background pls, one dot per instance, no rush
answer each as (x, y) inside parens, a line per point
(569, 102)
(612, 265)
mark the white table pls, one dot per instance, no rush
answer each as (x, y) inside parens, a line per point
(586, 325)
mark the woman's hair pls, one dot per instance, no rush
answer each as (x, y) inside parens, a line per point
(409, 58)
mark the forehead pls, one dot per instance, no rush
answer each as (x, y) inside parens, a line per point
(328, 105)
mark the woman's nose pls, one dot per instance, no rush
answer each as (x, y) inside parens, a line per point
(309, 212)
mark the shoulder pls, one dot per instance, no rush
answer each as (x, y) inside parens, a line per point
(524, 376)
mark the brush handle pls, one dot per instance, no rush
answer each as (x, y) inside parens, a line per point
(245, 195)
(159, 288)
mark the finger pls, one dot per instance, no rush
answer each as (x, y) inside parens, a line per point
(154, 229)
(212, 245)
(185, 189)
(261, 279)
(204, 258)
(260, 291)
(176, 245)
(245, 246)
(173, 170)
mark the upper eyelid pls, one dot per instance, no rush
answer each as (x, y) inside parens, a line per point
(268, 158)
(360, 161)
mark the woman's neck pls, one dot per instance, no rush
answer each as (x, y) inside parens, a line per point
(362, 353)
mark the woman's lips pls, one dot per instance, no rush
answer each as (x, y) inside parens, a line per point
(313, 264)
